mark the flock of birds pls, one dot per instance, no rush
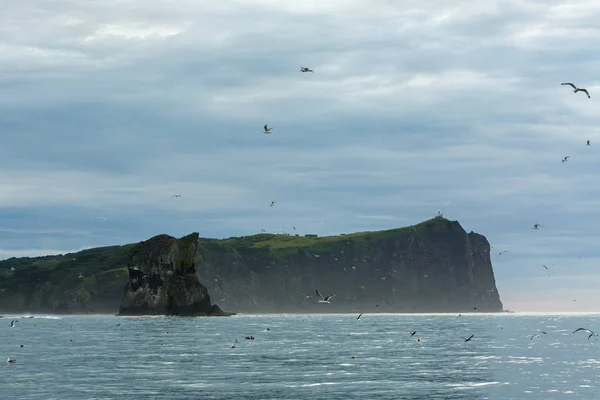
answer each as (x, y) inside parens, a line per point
(327, 299)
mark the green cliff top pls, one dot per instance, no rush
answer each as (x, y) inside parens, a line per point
(279, 241)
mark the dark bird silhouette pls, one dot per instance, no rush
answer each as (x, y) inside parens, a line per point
(468, 339)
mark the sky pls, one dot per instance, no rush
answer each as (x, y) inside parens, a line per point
(108, 109)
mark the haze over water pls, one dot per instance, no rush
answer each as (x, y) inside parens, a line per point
(302, 356)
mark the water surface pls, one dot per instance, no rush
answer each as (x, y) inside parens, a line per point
(326, 356)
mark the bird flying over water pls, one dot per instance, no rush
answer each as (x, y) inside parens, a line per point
(592, 333)
(565, 159)
(576, 89)
(176, 195)
(305, 69)
(10, 361)
(536, 335)
(537, 226)
(324, 299)
(359, 315)
(588, 143)
(273, 204)
(102, 218)
(468, 339)
(267, 130)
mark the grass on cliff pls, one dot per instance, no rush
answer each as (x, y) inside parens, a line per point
(275, 241)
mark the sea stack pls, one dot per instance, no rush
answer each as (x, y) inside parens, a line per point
(163, 280)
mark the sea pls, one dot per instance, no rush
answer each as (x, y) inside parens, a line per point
(298, 356)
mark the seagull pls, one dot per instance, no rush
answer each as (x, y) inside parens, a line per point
(8, 360)
(592, 333)
(305, 69)
(267, 130)
(324, 299)
(537, 226)
(502, 252)
(273, 204)
(588, 143)
(12, 323)
(536, 335)
(176, 195)
(564, 160)
(80, 275)
(412, 333)
(359, 315)
(576, 89)
(102, 218)
(468, 339)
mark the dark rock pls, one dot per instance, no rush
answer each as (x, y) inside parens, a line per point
(163, 281)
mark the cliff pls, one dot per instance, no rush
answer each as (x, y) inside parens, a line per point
(163, 280)
(435, 266)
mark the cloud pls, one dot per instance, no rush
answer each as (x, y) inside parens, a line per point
(412, 108)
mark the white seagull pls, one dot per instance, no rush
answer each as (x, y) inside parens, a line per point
(576, 89)
(566, 159)
(592, 333)
(305, 69)
(10, 361)
(12, 323)
(267, 130)
(325, 299)
(176, 195)
(102, 218)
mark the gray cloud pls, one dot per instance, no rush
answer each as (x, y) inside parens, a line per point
(412, 108)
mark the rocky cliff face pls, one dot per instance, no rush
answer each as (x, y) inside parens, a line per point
(432, 267)
(163, 281)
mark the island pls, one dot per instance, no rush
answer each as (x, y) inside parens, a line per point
(431, 267)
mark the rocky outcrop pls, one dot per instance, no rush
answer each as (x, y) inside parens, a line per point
(163, 281)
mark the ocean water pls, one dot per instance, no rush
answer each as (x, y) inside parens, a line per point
(301, 357)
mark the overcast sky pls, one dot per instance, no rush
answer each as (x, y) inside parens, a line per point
(108, 108)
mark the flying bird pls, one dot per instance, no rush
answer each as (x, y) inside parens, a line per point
(592, 333)
(468, 339)
(273, 204)
(565, 159)
(324, 299)
(502, 252)
(576, 89)
(536, 335)
(359, 315)
(588, 143)
(305, 69)
(537, 226)
(176, 195)
(412, 333)
(12, 323)
(267, 130)
(10, 361)
(102, 218)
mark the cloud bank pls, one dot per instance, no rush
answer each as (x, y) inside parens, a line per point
(109, 108)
